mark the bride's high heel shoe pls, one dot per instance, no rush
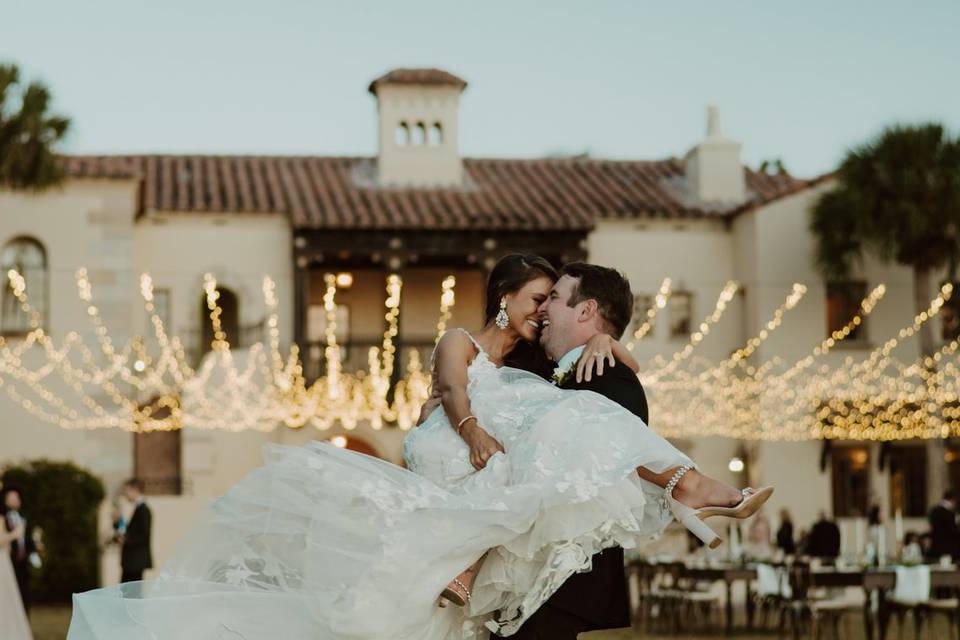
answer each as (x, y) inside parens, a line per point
(454, 596)
(693, 519)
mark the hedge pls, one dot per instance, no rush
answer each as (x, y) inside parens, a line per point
(63, 499)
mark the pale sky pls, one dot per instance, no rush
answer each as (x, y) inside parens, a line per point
(801, 81)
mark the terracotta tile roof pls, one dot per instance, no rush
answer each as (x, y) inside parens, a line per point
(419, 77)
(339, 193)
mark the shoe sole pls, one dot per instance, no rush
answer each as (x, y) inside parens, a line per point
(743, 510)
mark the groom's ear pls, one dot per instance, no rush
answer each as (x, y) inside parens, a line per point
(588, 310)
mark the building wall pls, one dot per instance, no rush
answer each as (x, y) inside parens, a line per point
(766, 251)
(92, 223)
(696, 255)
(83, 224)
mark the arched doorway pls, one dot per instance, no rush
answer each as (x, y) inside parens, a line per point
(229, 319)
(157, 455)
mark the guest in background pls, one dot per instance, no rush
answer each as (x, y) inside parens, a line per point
(135, 556)
(758, 537)
(22, 546)
(874, 531)
(785, 540)
(873, 516)
(824, 538)
(912, 553)
(944, 534)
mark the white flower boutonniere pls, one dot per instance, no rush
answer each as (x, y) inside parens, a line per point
(562, 376)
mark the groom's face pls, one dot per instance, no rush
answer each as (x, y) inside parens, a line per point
(559, 319)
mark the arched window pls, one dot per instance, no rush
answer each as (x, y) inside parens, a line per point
(402, 135)
(28, 258)
(419, 134)
(435, 136)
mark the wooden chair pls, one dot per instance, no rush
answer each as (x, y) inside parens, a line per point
(803, 608)
(915, 599)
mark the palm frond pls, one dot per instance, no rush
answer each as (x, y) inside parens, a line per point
(28, 134)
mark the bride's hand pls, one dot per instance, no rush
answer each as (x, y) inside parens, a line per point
(597, 352)
(434, 401)
(482, 444)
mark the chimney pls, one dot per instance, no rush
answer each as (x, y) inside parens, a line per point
(714, 171)
(418, 111)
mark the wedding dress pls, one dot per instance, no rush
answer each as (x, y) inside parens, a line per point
(13, 619)
(328, 544)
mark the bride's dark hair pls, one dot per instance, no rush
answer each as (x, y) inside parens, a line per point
(509, 275)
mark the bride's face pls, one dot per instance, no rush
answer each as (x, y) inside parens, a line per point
(522, 307)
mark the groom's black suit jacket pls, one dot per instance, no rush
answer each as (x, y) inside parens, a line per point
(135, 555)
(597, 599)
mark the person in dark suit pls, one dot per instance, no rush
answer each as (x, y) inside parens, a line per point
(135, 555)
(944, 534)
(22, 547)
(588, 300)
(785, 540)
(599, 598)
(824, 538)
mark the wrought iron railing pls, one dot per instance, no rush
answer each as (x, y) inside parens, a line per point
(354, 356)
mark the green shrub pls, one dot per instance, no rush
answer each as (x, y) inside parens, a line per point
(63, 499)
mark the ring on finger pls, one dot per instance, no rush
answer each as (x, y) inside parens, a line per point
(597, 354)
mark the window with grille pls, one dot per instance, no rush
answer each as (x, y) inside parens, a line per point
(27, 257)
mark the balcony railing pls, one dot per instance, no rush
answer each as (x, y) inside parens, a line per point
(354, 356)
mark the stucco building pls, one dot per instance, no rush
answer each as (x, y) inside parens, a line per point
(420, 209)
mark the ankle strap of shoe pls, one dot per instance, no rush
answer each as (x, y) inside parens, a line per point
(668, 490)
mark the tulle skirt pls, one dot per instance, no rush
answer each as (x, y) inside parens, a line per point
(324, 543)
(13, 619)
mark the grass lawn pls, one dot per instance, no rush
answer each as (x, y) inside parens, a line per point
(51, 623)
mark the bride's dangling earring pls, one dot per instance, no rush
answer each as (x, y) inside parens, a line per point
(502, 319)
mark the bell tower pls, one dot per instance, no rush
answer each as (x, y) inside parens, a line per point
(418, 118)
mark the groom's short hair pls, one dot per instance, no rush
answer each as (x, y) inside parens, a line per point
(609, 288)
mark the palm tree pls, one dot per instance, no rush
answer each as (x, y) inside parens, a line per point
(28, 134)
(897, 199)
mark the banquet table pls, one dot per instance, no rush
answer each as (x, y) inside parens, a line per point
(878, 581)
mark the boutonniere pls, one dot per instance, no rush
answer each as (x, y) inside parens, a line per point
(561, 376)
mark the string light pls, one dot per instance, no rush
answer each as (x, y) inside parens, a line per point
(726, 295)
(142, 387)
(447, 300)
(660, 301)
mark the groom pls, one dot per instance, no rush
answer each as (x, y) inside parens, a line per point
(588, 299)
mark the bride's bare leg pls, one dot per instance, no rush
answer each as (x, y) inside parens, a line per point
(695, 489)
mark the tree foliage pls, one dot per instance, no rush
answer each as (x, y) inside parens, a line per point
(28, 134)
(63, 500)
(897, 198)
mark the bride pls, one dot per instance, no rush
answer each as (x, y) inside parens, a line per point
(326, 543)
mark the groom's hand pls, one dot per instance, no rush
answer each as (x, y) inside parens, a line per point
(482, 444)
